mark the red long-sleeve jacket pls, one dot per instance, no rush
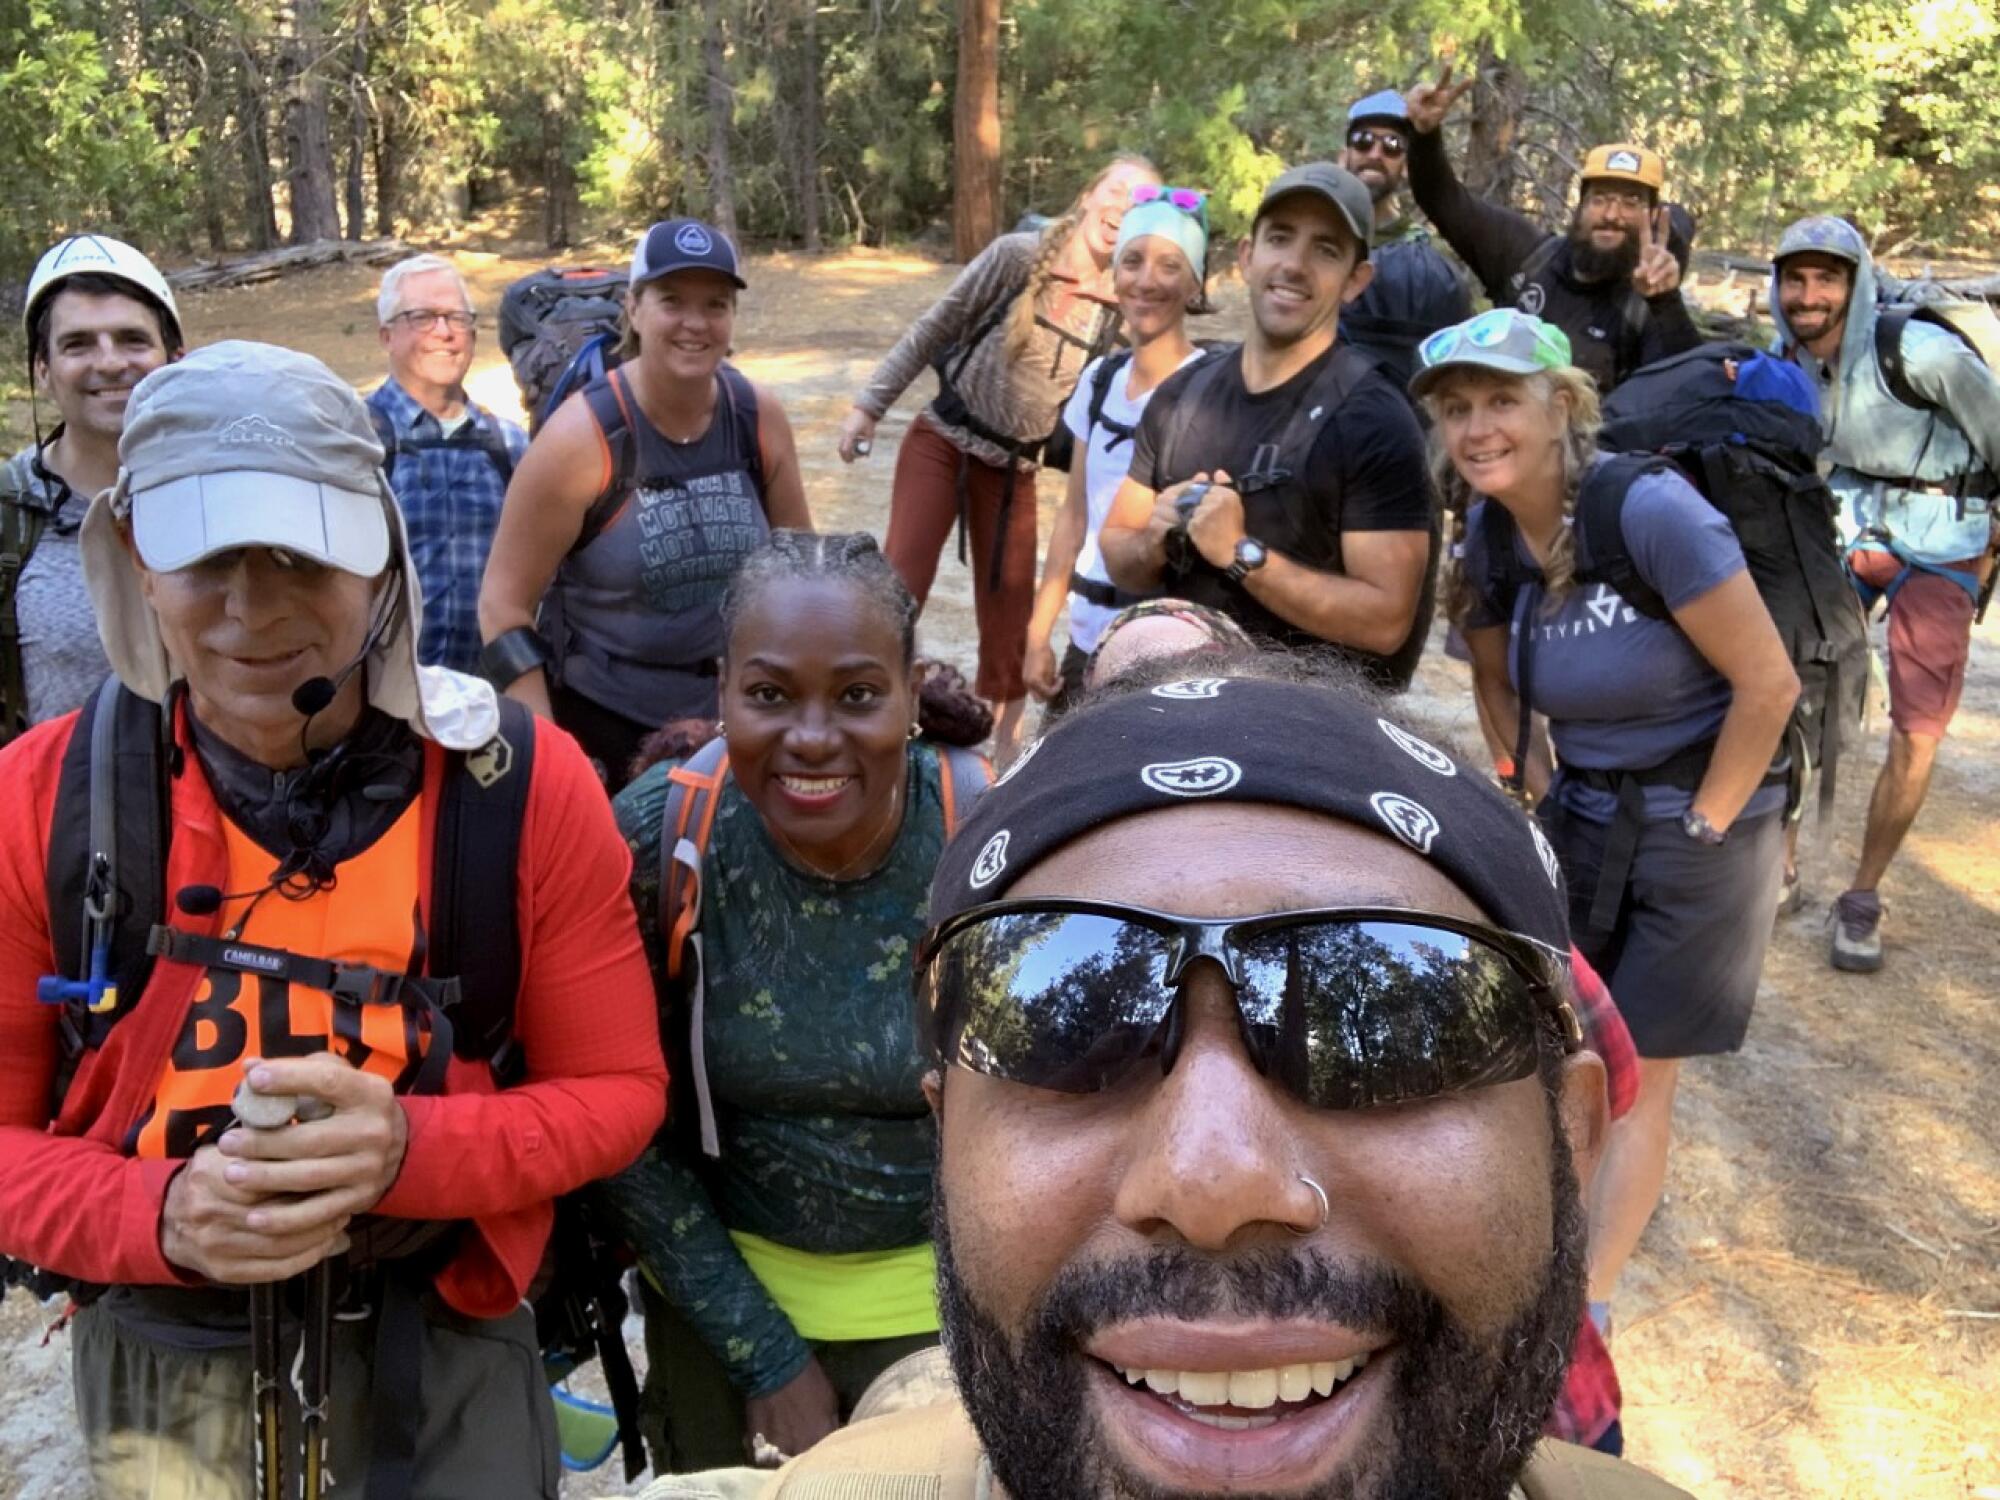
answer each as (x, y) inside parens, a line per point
(593, 1094)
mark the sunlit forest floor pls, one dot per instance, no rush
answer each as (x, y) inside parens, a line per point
(1815, 1310)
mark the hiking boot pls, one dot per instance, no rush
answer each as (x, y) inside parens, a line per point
(1857, 932)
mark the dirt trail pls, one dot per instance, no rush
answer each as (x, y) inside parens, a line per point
(1815, 1311)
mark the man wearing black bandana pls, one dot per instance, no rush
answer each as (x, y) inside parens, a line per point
(1307, 1225)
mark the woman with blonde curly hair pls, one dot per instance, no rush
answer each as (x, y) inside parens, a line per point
(1009, 341)
(1666, 810)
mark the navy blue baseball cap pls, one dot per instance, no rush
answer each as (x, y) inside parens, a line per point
(684, 245)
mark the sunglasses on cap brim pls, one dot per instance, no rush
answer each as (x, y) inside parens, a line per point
(1346, 1007)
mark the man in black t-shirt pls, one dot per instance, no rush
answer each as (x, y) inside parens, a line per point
(1283, 481)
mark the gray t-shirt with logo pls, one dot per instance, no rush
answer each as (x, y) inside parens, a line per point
(62, 658)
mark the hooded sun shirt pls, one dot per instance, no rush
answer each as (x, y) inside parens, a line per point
(1873, 438)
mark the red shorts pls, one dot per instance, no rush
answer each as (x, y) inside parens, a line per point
(1930, 641)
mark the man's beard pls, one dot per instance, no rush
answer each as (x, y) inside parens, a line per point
(1592, 264)
(1464, 1414)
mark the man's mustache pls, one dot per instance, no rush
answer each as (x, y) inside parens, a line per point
(1182, 1285)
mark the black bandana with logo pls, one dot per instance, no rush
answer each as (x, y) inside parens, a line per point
(1256, 740)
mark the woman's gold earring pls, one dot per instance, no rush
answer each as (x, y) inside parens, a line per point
(721, 730)
(916, 730)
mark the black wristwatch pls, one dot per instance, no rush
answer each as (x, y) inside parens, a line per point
(1698, 828)
(1250, 556)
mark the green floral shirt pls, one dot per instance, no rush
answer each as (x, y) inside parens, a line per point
(810, 1041)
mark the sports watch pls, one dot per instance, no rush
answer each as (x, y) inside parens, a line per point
(1698, 828)
(1250, 556)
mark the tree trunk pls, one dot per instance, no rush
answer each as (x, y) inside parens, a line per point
(1491, 169)
(308, 135)
(555, 179)
(259, 209)
(809, 103)
(357, 120)
(721, 105)
(975, 129)
(388, 166)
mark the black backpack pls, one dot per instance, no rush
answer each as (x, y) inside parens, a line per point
(1750, 445)
(1415, 291)
(109, 837)
(559, 329)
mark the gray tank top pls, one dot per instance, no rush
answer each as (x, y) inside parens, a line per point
(634, 615)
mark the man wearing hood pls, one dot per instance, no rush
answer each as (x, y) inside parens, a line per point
(270, 780)
(1914, 472)
(1611, 281)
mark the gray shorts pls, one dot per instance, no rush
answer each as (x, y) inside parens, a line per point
(163, 1421)
(1684, 957)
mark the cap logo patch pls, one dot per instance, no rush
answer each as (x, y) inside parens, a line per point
(1423, 752)
(1204, 776)
(692, 239)
(1623, 161)
(1019, 761)
(1532, 299)
(1551, 866)
(1190, 689)
(992, 860)
(1412, 822)
(255, 429)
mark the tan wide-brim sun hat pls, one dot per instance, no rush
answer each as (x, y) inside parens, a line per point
(249, 445)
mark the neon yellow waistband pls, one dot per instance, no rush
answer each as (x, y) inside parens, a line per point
(869, 1294)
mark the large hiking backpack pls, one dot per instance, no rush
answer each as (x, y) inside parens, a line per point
(559, 330)
(1414, 292)
(108, 853)
(687, 821)
(1749, 442)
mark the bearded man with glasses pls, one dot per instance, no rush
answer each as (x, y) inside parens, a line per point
(447, 458)
(1611, 281)
(1263, 1108)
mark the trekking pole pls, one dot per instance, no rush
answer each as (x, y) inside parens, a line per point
(255, 1111)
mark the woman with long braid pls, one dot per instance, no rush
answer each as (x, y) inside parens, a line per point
(1009, 341)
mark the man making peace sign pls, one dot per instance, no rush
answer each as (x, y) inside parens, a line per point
(1612, 283)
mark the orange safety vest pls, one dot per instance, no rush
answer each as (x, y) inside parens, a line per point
(368, 915)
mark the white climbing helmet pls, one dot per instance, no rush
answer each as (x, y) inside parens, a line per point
(101, 255)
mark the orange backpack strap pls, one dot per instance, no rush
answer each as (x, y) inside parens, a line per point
(963, 776)
(687, 820)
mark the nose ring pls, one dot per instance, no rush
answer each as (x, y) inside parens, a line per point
(1325, 1208)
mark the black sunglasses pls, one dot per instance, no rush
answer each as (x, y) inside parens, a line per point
(1392, 144)
(1348, 1007)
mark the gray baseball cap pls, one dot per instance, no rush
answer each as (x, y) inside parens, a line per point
(1346, 192)
(250, 445)
(1504, 340)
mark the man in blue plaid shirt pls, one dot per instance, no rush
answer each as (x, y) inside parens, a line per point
(449, 460)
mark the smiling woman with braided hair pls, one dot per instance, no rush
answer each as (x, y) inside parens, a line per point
(782, 1225)
(1009, 341)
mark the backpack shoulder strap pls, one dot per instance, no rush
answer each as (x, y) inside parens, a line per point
(20, 528)
(1500, 583)
(742, 398)
(107, 860)
(385, 434)
(1889, 325)
(687, 821)
(1275, 462)
(476, 855)
(1600, 509)
(963, 775)
(1538, 260)
(610, 407)
(1202, 374)
(1109, 368)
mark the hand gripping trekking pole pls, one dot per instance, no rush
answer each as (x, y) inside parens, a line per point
(255, 1111)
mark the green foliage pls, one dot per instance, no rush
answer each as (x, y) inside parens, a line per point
(135, 115)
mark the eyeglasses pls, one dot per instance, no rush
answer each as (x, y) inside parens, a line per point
(1187, 200)
(1504, 331)
(1347, 1007)
(1392, 144)
(1629, 199)
(428, 317)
